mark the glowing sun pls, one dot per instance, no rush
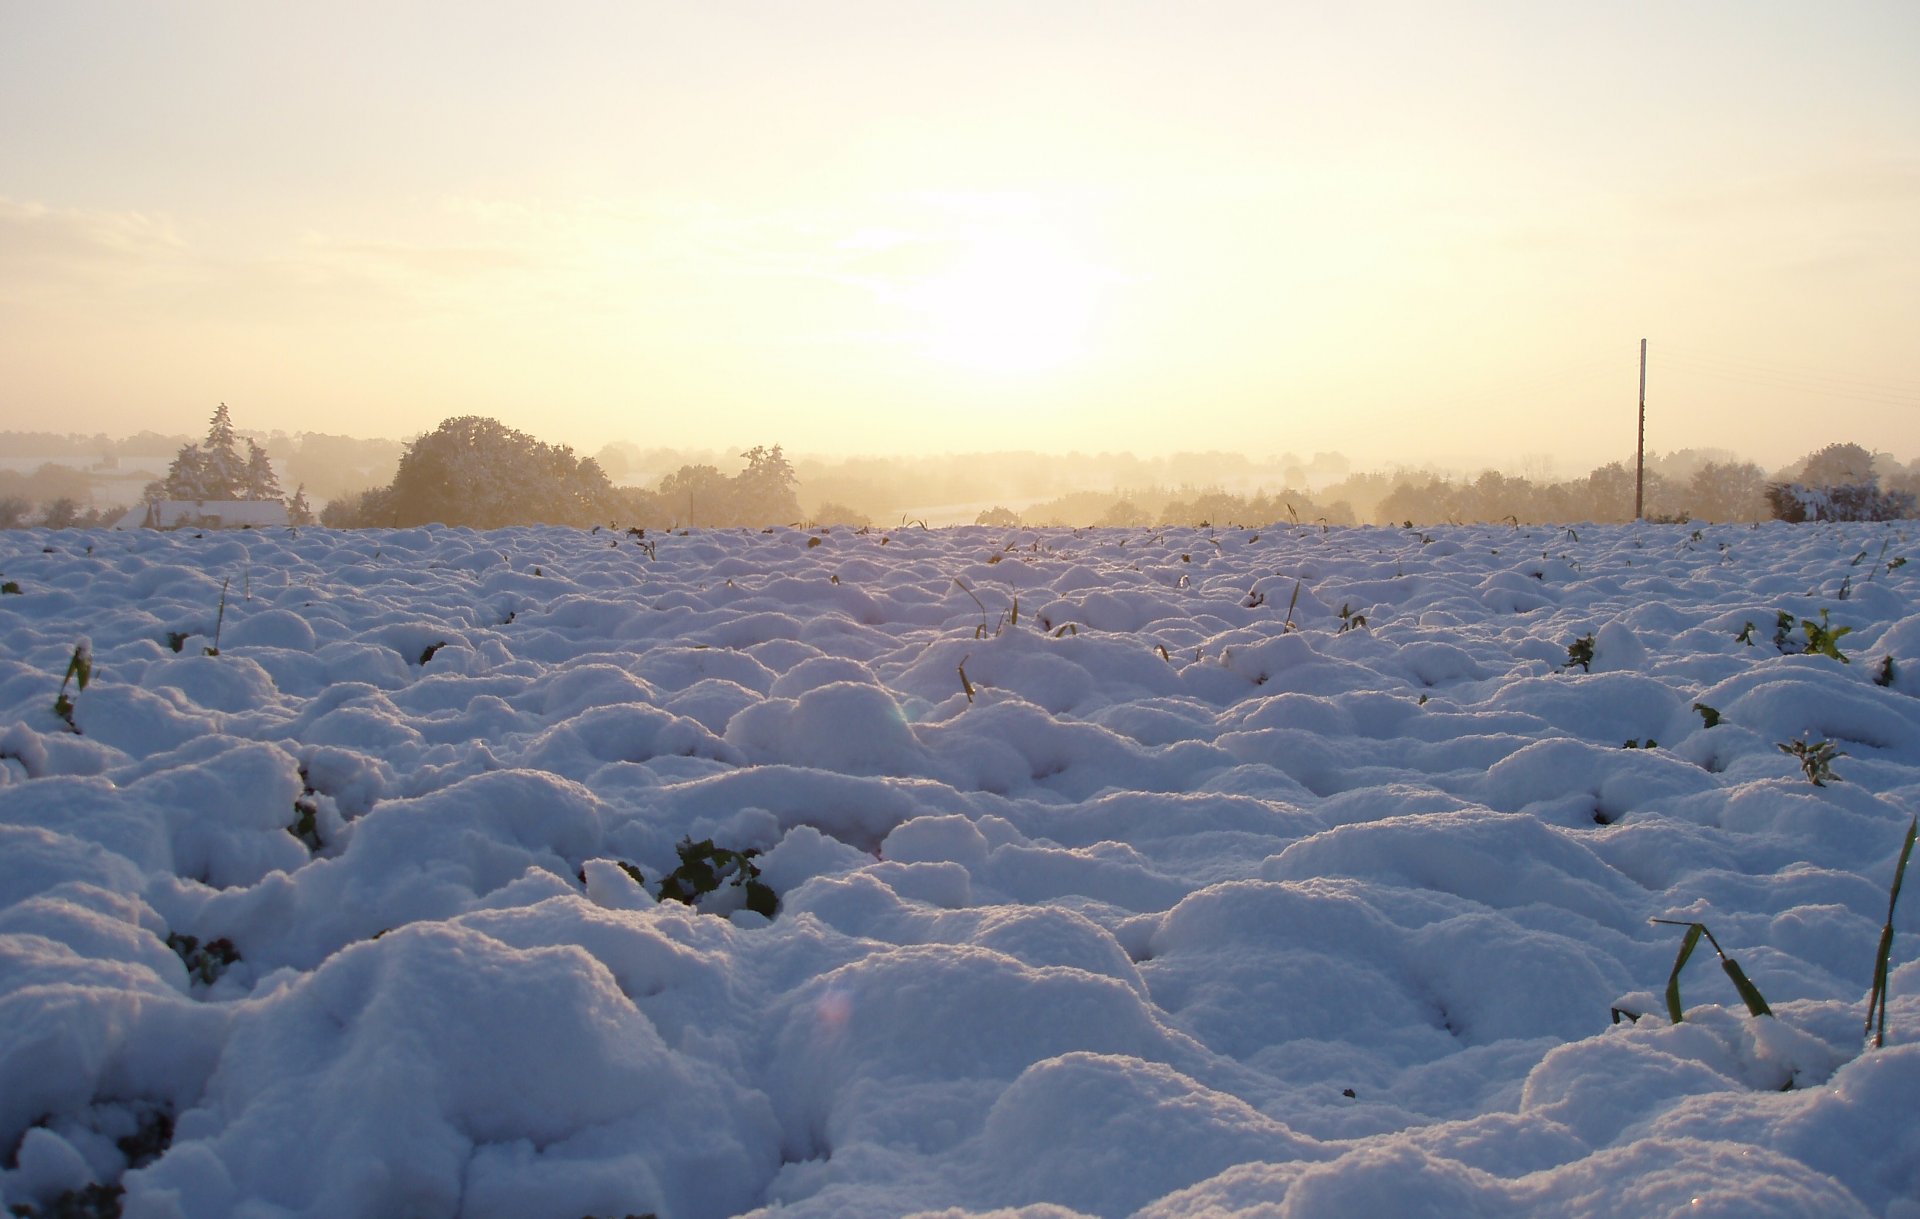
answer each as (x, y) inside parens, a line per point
(1007, 305)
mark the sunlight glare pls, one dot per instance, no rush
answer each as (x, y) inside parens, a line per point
(1007, 305)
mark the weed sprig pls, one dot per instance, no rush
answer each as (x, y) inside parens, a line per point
(79, 672)
(1816, 758)
(1749, 994)
(1580, 652)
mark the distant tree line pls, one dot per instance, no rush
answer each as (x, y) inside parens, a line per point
(68, 493)
(1842, 481)
(478, 472)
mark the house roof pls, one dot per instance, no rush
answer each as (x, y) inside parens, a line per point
(205, 514)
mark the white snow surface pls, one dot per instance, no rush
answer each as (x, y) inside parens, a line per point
(1198, 905)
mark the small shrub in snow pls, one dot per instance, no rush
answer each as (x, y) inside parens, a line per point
(1823, 638)
(306, 821)
(1749, 994)
(1883, 673)
(1816, 758)
(150, 1138)
(1782, 628)
(1865, 501)
(1710, 717)
(704, 867)
(1580, 652)
(205, 962)
(90, 1202)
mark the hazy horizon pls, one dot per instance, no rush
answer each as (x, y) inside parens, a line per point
(1437, 236)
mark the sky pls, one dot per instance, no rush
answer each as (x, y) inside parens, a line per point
(1409, 232)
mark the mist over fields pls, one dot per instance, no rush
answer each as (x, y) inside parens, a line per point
(70, 479)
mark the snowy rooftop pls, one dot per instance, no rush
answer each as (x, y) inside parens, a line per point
(1289, 872)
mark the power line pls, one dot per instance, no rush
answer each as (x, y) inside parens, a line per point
(1774, 375)
(1750, 364)
(1810, 381)
(1799, 385)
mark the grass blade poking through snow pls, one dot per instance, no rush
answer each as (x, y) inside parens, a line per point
(219, 619)
(1749, 993)
(1877, 1000)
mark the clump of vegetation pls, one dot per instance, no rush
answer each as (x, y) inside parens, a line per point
(1823, 638)
(1580, 652)
(88, 1202)
(150, 1138)
(1782, 628)
(1710, 717)
(1883, 674)
(79, 673)
(1815, 757)
(1749, 994)
(1350, 621)
(704, 867)
(205, 962)
(306, 820)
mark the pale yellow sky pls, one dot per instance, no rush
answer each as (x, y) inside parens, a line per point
(1407, 231)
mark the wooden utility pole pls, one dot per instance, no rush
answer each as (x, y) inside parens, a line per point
(1640, 453)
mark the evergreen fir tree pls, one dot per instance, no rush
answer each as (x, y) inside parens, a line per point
(215, 470)
(261, 481)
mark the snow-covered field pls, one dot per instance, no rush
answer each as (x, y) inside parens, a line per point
(1163, 908)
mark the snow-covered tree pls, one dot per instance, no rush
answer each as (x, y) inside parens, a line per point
(261, 481)
(1727, 491)
(764, 491)
(1838, 465)
(1838, 483)
(699, 496)
(478, 472)
(1847, 502)
(214, 469)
